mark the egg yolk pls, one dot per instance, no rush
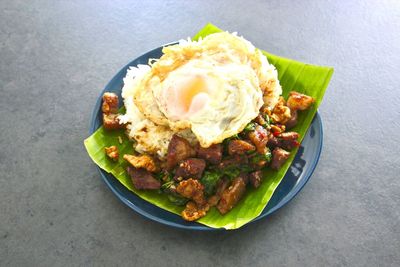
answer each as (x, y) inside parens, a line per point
(192, 88)
(188, 96)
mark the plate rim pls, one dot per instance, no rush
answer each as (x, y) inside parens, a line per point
(197, 226)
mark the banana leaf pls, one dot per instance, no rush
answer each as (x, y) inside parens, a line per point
(293, 75)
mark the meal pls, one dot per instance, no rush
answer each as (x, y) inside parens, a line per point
(205, 120)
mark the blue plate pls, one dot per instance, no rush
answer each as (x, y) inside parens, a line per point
(296, 177)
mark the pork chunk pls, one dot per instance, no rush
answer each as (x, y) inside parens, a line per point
(231, 196)
(190, 168)
(194, 211)
(239, 147)
(192, 189)
(279, 157)
(112, 152)
(259, 137)
(255, 178)
(142, 161)
(289, 136)
(178, 150)
(273, 141)
(110, 103)
(233, 161)
(111, 122)
(281, 113)
(288, 140)
(212, 154)
(221, 186)
(297, 101)
(143, 179)
(293, 119)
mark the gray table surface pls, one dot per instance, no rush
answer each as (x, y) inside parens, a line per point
(57, 56)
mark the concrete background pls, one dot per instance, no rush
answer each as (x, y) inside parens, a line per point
(56, 56)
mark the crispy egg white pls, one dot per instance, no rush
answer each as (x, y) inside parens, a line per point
(207, 91)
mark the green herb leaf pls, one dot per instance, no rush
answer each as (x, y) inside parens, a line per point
(259, 157)
(167, 185)
(231, 172)
(209, 180)
(250, 127)
(268, 120)
(177, 200)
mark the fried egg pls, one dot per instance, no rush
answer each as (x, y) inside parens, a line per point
(206, 91)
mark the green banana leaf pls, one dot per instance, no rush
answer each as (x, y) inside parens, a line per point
(293, 75)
